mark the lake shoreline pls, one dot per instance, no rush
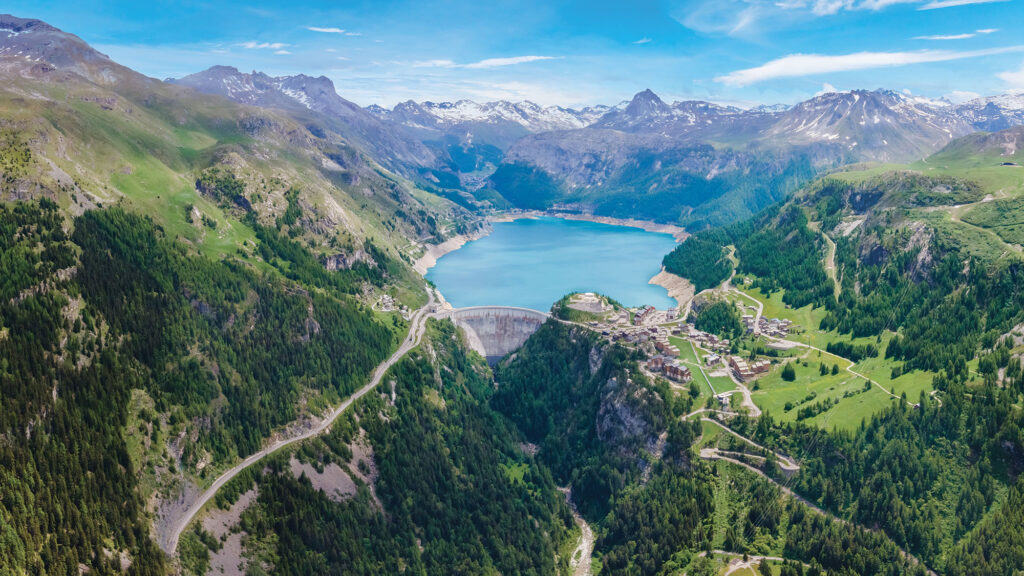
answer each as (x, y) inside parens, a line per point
(679, 289)
(435, 251)
(677, 232)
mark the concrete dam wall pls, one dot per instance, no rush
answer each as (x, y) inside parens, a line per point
(495, 331)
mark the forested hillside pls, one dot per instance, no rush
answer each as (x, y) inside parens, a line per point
(887, 261)
(451, 488)
(632, 462)
(116, 324)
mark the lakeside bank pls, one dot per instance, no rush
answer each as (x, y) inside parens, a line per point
(679, 289)
(678, 233)
(435, 251)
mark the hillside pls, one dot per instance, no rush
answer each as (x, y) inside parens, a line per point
(215, 356)
(185, 278)
(912, 277)
(85, 131)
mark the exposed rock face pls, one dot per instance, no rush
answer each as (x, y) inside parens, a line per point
(625, 419)
(306, 93)
(346, 261)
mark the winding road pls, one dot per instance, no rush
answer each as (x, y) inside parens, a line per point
(849, 367)
(785, 489)
(417, 327)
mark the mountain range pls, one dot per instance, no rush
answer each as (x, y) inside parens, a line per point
(711, 163)
(597, 159)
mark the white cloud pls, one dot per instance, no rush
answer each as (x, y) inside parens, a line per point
(945, 37)
(880, 4)
(263, 45)
(341, 31)
(488, 63)
(797, 65)
(1015, 79)
(434, 64)
(961, 96)
(957, 36)
(643, 40)
(496, 62)
(828, 7)
(936, 4)
(281, 52)
(826, 88)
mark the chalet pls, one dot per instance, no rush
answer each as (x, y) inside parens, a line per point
(641, 314)
(675, 370)
(746, 370)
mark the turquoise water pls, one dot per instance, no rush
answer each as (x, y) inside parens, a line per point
(533, 263)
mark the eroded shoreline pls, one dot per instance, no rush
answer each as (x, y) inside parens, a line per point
(679, 289)
(677, 232)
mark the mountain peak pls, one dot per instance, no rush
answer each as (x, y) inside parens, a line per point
(33, 42)
(11, 23)
(647, 103)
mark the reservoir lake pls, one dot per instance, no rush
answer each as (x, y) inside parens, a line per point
(531, 263)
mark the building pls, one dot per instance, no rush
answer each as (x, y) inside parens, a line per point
(641, 314)
(746, 370)
(656, 363)
(675, 370)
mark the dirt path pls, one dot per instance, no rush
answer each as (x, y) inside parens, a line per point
(169, 541)
(737, 563)
(700, 367)
(830, 264)
(581, 556)
(785, 462)
(786, 490)
(849, 367)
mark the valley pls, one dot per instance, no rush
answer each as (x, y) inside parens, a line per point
(248, 326)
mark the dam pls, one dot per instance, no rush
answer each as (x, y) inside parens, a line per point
(495, 331)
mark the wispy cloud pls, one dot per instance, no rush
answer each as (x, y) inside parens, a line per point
(961, 96)
(263, 45)
(957, 36)
(281, 52)
(341, 31)
(797, 65)
(434, 64)
(936, 4)
(829, 7)
(488, 63)
(945, 37)
(1015, 78)
(644, 40)
(496, 62)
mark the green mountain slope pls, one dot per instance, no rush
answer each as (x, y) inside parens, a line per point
(912, 273)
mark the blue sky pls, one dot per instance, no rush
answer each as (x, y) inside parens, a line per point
(570, 53)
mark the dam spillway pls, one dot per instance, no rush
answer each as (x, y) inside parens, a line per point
(495, 331)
